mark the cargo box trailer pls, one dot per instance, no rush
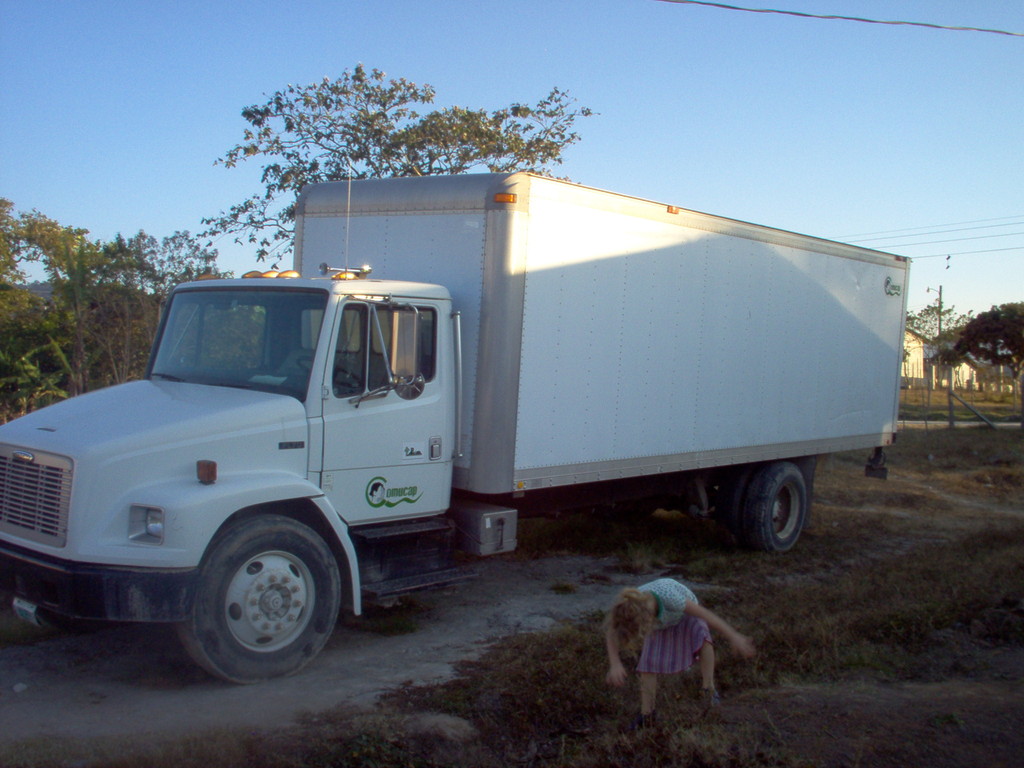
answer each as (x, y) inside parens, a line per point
(448, 352)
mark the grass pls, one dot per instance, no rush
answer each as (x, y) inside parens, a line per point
(401, 618)
(639, 541)
(887, 610)
(887, 570)
(921, 405)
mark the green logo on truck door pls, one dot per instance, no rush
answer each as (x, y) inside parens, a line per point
(380, 494)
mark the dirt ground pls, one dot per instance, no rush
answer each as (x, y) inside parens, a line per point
(135, 681)
(970, 721)
(130, 680)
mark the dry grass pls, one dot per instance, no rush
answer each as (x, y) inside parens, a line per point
(542, 696)
(847, 603)
(919, 404)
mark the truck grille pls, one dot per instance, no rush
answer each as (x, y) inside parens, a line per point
(35, 493)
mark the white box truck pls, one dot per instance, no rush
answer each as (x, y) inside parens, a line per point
(306, 439)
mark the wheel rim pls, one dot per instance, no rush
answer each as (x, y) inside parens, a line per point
(785, 512)
(268, 601)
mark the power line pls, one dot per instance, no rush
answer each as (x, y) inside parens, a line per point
(951, 240)
(856, 237)
(937, 232)
(845, 18)
(967, 253)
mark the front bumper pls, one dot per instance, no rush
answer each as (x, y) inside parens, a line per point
(91, 591)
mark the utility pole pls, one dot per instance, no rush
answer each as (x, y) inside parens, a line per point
(948, 367)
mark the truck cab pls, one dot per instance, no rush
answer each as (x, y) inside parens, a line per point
(279, 417)
(370, 362)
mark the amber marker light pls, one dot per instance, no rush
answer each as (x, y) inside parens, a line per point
(505, 197)
(672, 209)
(253, 273)
(289, 273)
(206, 471)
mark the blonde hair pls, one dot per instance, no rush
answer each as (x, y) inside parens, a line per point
(631, 618)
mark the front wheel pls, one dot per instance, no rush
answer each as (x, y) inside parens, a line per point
(774, 507)
(268, 598)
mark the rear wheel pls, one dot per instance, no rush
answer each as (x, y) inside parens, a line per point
(774, 507)
(268, 598)
(729, 498)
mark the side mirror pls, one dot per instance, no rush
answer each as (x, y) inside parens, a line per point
(407, 379)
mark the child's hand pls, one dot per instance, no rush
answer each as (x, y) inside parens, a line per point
(616, 675)
(743, 645)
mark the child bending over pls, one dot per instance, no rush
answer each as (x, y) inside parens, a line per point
(674, 630)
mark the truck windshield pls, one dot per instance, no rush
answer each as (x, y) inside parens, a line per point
(252, 338)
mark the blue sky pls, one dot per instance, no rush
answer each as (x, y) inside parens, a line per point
(114, 112)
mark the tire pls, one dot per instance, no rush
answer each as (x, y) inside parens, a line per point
(774, 508)
(268, 597)
(729, 500)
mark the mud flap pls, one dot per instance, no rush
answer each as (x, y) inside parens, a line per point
(876, 465)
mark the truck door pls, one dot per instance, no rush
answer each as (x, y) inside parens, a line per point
(387, 434)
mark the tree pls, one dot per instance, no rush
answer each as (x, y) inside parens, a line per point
(98, 325)
(133, 278)
(73, 267)
(362, 125)
(30, 237)
(997, 337)
(26, 384)
(179, 258)
(33, 367)
(9, 272)
(940, 327)
(13, 300)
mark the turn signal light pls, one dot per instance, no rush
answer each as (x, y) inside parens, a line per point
(206, 471)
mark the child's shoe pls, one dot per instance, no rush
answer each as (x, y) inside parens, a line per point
(709, 698)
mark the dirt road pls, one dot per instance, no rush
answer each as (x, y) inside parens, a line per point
(134, 680)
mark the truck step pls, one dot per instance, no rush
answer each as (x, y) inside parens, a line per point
(389, 530)
(382, 590)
